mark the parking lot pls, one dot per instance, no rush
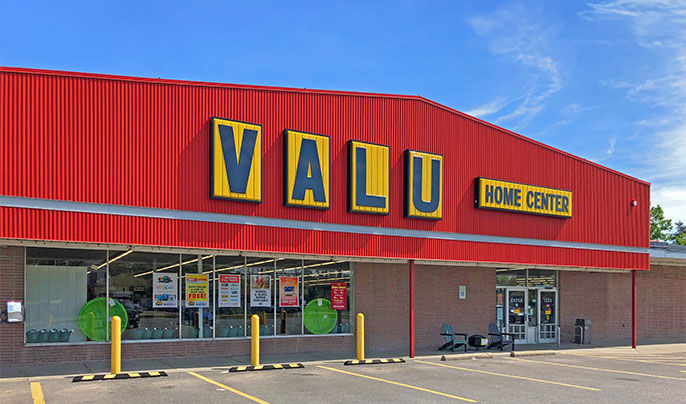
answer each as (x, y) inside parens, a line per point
(580, 376)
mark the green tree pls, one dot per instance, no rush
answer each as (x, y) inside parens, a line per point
(679, 236)
(659, 226)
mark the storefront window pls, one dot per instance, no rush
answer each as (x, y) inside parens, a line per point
(230, 300)
(72, 294)
(65, 295)
(505, 277)
(146, 285)
(197, 292)
(289, 295)
(326, 291)
(542, 278)
(261, 293)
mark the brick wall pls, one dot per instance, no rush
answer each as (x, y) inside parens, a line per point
(437, 302)
(11, 288)
(605, 298)
(381, 294)
(661, 294)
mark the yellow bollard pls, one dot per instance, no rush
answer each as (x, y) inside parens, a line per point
(115, 358)
(255, 340)
(360, 336)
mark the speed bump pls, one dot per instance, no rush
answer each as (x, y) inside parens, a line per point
(266, 367)
(374, 361)
(118, 376)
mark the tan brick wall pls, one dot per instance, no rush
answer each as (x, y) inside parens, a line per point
(382, 294)
(606, 300)
(661, 296)
(11, 288)
(437, 302)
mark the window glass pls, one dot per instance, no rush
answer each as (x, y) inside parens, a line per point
(506, 277)
(542, 278)
(327, 293)
(289, 295)
(65, 295)
(229, 282)
(196, 314)
(261, 292)
(147, 285)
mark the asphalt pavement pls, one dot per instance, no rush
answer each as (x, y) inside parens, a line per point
(622, 375)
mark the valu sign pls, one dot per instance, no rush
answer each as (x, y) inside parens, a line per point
(236, 174)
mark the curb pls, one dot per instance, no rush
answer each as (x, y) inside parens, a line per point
(374, 361)
(532, 353)
(266, 367)
(495, 355)
(118, 376)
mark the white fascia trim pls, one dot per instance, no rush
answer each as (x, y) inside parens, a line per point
(156, 213)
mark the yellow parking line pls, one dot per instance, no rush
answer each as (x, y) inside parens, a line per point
(223, 386)
(37, 393)
(600, 369)
(512, 376)
(398, 384)
(624, 359)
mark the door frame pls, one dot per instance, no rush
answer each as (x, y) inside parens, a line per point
(525, 304)
(539, 302)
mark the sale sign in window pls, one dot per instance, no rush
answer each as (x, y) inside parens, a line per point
(197, 286)
(339, 295)
(288, 294)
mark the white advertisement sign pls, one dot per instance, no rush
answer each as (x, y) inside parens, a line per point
(260, 291)
(165, 290)
(229, 291)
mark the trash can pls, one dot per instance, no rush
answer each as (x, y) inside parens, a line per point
(582, 331)
(477, 341)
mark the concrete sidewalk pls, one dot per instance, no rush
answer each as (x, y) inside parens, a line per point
(199, 363)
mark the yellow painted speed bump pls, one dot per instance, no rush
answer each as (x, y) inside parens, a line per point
(118, 376)
(255, 352)
(266, 367)
(374, 361)
(360, 348)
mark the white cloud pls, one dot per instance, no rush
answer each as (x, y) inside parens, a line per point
(611, 148)
(488, 109)
(513, 35)
(659, 26)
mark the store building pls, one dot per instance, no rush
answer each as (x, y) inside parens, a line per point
(187, 207)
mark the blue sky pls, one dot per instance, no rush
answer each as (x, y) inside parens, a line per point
(603, 80)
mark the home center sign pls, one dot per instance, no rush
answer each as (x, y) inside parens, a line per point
(236, 174)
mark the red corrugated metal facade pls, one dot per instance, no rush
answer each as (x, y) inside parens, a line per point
(145, 143)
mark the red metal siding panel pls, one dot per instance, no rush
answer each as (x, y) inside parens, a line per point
(146, 143)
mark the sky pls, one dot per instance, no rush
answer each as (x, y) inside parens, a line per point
(604, 80)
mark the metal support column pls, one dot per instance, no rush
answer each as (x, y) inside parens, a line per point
(411, 308)
(633, 309)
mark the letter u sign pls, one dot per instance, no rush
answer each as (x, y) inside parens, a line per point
(423, 185)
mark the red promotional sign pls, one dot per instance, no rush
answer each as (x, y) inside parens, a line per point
(339, 296)
(289, 291)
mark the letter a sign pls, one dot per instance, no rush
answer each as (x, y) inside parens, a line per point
(306, 179)
(236, 151)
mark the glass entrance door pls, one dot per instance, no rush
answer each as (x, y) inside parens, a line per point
(516, 313)
(547, 314)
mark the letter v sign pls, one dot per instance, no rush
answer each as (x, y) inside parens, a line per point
(240, 177)
(237, 168)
